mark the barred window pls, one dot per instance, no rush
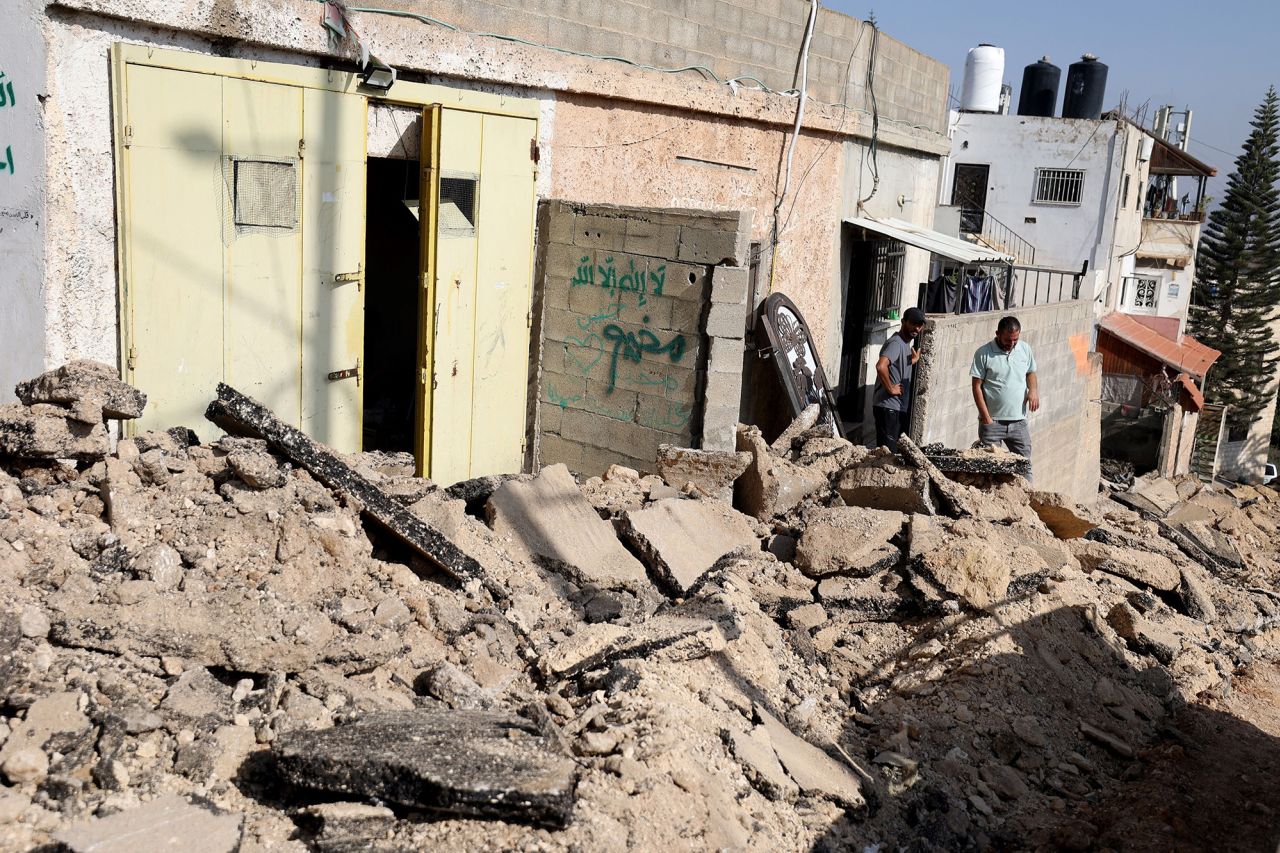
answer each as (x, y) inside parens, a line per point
(1059, 186)
(886, 280)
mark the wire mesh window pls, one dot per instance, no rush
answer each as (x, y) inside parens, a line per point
(458, 196)
(265, 194)
(886, 279)
(1059, 186)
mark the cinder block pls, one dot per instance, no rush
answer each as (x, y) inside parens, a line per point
(618, 403)
(599, 232)
(565, 261)
(706, 246)
(651, 238)
(560, 224)
(730, 284)
(596, 460)
(719, 436)
(549, 418)
(683, 281)
(723, 389)
(726, 356)
(596, 430)
(726, 321)
(685, 316)
(553, 449)
(674, 417)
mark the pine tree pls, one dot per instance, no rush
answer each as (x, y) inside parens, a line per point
(1237, 285)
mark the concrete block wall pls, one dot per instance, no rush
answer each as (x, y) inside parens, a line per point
(732, 38)
(630, 327)
(1065, 433)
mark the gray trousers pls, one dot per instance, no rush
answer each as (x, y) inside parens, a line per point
(1013, 434)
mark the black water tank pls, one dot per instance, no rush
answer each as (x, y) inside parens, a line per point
(1039, 95)
(1086, 84)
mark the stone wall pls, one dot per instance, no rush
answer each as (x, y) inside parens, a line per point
(1065, 433)
(634, 349)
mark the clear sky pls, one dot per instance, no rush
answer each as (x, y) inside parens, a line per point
(1218, 58)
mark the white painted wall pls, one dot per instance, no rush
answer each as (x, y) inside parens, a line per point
(1014, 147)
(22, 197)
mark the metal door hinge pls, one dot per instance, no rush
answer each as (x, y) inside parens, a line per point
(132, 358)
(534, 153)
(528, 319)
(349, 373)
(128, 135)
(348, 277)
(302, 148)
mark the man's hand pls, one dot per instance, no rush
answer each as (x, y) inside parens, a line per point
(985, 419)
(1033, 400)
(895, 390)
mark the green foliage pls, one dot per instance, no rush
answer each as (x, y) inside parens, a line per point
(1237, 286)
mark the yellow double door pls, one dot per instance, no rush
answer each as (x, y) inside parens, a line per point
(242, 239)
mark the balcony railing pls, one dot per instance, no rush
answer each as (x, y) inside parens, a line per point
(981, 227)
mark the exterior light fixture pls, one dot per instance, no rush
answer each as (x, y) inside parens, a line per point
(376, 74)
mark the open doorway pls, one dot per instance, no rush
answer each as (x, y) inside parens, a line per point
(391, 311)
(851, 394)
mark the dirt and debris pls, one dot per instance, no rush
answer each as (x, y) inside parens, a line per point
(260, 644)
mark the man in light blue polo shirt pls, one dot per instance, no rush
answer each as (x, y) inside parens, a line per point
(1005, 388)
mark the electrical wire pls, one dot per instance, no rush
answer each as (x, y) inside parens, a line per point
(874, 148)
(803, 82)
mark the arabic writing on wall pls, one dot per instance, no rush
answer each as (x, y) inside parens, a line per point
(6, 100)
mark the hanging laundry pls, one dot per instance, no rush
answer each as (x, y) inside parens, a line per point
(978, 294)
(940, 296)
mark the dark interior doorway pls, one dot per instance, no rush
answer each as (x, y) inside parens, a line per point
(391, 313)
(969, 191)
(859, 259)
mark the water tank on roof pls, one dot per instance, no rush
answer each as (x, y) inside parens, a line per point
(1039, 95)
(1086, 84)
(983, 74)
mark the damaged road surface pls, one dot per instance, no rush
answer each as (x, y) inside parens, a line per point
(799, 645)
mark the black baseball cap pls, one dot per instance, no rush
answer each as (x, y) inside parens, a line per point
(913, 315)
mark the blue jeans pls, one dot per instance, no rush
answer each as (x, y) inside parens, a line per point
(1013, 434)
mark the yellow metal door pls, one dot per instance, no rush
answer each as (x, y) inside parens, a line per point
(503, 295)
(482, 238)
(429, 211)
(333, 232)
(172, 227)
(262, 125)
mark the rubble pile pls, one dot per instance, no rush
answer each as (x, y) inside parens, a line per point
(258, 644)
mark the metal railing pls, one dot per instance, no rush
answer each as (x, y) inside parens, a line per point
(1031, 285)
(1003, 286)
(977, 223)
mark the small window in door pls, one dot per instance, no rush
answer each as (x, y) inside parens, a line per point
(265, 193)
(458, 195)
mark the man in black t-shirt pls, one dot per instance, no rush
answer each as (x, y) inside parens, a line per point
(892, 393)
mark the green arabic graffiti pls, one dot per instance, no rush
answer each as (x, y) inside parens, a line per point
(632, 281)
(633, 345)
(557, 399)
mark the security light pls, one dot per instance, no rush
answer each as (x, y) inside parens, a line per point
(377, 75)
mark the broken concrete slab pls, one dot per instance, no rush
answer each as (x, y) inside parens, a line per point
(474, 763)
(238, 413)
(878, 598)
(754, 751)
(951, 496)
(549, 519)
(712, 472)
(1194, 592)
(878, 482)
(168, 823)
(92, 391)
(970, 569)
(771, 486)
(256, 469)
(848, 540)
(664, 637)
(1066, 518)
(1214, 542)
(680, 540)
(802, 422)
(1144, 635)
(1142, 567)
(1156, 497)
(988, 460)
(45, 431)
(55, 714)
(813, 770)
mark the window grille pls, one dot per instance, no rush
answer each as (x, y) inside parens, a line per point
(1141, 292)
(458, 194)
(886, 279)
(1059, 186)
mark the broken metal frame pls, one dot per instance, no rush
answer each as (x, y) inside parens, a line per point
(790, 348)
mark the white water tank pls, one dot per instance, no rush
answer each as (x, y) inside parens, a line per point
(983, 76)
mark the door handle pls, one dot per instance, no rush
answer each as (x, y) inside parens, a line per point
(348, 277)
(349, 373)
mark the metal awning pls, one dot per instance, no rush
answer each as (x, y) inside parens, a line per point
(932, 241)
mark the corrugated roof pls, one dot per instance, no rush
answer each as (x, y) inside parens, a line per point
(1188, 355)
(932, 241)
